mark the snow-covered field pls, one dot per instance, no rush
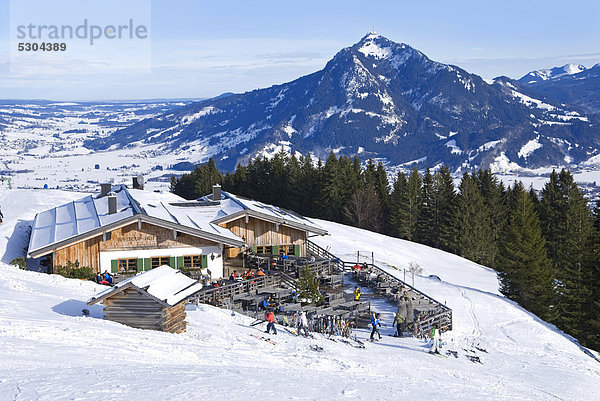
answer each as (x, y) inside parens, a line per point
(48, 351)
(43, 144)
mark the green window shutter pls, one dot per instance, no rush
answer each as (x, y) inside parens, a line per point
(204, 261)
(180, 262)
(275, 250)
(254, 249)
(172, 261)
(114, 266)
(297, 250)
(140, 265)
(147, 264)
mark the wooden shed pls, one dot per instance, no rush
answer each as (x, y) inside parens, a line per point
(153, 300)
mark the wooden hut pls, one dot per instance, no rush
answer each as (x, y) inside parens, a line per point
(153, 300)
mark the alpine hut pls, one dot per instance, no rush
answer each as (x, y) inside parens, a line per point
(153, 300)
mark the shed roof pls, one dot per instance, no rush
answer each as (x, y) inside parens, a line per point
(165, 284)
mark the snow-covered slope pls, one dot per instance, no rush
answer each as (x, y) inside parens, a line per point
(49, 351)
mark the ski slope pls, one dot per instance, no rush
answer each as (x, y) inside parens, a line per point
(48, 351)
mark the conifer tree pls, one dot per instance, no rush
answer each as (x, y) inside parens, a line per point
(425, 227)
(524, 269)
(471, 223)
(410, 203)
(444, 205)
(574, 261)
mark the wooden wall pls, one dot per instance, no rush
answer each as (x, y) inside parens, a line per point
(136, 309)
(149, 237)
(87, 252)
(260, 232)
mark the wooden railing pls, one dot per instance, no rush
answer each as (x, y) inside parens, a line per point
(228, 291)
(442, 315)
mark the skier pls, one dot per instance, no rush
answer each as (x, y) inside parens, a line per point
(375, 322)
(302, 324)
(1, 216)
(271, 325)
(399, 322)
(435, 341)
(357, 293)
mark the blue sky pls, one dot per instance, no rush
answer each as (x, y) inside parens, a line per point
(201, 49)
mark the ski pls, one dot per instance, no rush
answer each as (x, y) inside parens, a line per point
(453, 353)
(480, 349)
(258, 321)
(350, 343)
(268, 340)
(316, 348)
(474, 359)
(437, 354)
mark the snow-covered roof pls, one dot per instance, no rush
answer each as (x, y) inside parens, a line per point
(88, 217)
(164, 283)
(232, 207)
(78, 217)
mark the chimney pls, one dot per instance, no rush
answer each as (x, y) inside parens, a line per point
(112, 203)
(216, 195)
(138, 182)
(105, 189)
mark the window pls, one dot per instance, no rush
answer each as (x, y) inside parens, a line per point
(192, 262)
(291, 250)
(127, 265)
(265, 250)
(159, 261)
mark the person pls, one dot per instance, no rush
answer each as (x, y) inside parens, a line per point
(357, 293)
(402, 312)
(1, 216)
(108, 277)
(410, 313)
(375, 322)
(435, 340)
(260, 272)
(271, 325)
(399, 322)
(232, 276)
(302, 324)
(250, 274)
(99, 278)
(265, 303)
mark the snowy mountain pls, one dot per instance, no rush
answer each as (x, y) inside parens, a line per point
(576, 86)
(553, 73)
(50, 351)
(379, 99)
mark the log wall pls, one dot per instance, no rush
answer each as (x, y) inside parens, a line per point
(138, 310)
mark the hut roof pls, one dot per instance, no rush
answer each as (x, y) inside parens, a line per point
(233, 207)
(165, 284)
(89, 216)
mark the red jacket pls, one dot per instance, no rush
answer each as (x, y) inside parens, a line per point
(270, 317)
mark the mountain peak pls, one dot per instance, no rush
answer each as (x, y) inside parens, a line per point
(552, 73)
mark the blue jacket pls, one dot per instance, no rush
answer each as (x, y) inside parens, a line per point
(265, 303)
(375, 321)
